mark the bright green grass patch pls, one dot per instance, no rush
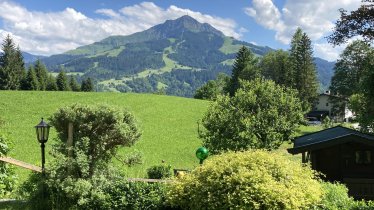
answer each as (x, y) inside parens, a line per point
(168, 124)
(228, 47)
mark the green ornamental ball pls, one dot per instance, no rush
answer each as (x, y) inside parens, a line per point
(202, 153)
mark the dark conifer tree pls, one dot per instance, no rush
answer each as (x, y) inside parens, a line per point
(31, 81)
(62, 81)
(42, 74)
(73, 84)
(303, 68)
(87, 85)
(245, 67)
(51, 83)
(12, 66)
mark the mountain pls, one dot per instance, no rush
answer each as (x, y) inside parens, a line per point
(175, 57)
(29, 58)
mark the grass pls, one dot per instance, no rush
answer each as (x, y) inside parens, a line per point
(228, 47)
(168, 124)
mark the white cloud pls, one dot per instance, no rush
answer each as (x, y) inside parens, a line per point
(316, 18)
(49, 33)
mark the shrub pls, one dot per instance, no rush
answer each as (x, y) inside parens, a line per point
(159, 172)
(335, 197)
(7, 176)
(247, 180)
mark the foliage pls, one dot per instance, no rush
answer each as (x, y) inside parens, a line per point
(159, 172)
(213, 88)
(303, 68)
(133, 158)
(260, 115)
(98, 132)
(327, 122)
(335, 197)
(42, 74)
(245, 67)
(74, 84)
(62, 81)
(51, 83)
(247, 180)
(11, 65)
(359, 22)
(7, 176)
(87, 85)
(275, 66)
(30, 82)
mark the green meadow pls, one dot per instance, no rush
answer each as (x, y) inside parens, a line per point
(168, 125)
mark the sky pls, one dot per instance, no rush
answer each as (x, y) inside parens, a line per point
(52, 27)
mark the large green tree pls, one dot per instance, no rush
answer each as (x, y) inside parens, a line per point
(62, 81)
(275, 66)
(12, 67)
(31, 81)
(213, 88)
(359, 22)
(303, 68)
(260, 115)
(87, 85)
(245, 67)
(51, 83)
(42, 74)
(74, 84)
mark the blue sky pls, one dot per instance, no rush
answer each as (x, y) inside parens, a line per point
(51, 27)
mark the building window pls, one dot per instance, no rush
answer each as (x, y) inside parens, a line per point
(327, 104)
(363, 157)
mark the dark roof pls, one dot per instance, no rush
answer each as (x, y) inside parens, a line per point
(329, 137)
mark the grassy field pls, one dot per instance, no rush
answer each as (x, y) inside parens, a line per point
(168, 124)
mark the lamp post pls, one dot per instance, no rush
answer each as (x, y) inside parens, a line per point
(202, 153)
(42, 132)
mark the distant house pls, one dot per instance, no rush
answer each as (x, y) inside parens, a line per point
(343, 155)
(334, 106)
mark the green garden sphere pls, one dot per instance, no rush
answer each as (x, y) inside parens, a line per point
(202, 153)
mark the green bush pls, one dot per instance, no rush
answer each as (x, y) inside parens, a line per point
(335, 197)
(159, 172)
(8, 178)
(247, 180)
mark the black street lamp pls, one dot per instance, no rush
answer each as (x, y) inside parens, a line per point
(42, 132)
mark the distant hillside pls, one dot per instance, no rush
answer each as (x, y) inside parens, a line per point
(29, 58)
(175, 57)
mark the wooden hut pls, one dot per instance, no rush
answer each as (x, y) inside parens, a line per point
(343, 155)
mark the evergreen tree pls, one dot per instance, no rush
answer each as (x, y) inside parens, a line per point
(11, 65)
(73, 84)
(87, 85)
(303, 68)
(245, 67)
(51, 83)
(62, 81)
(42, 74)
(31, 80)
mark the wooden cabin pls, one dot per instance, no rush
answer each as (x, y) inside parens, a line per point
(343, 155)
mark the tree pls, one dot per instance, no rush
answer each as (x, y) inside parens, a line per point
(245, 67)
(31, 81)
(303, 68)
(62, 81)
(260, 115)
(11, 65)
(349, 69)
(51, 83)
(358, 23)
(87, 85)
(275, 66)
(42, 74)
(98, 132)
(74, 84)
(213, 88)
